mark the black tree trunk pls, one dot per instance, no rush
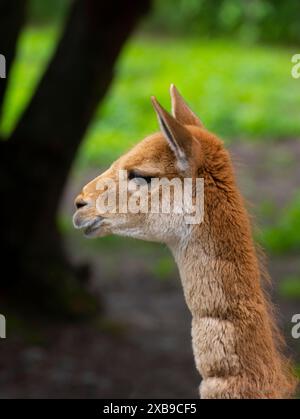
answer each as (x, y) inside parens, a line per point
(12, 14)
(36, 160)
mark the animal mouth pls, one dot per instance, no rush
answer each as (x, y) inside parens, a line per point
(89, 226)
(92, 227)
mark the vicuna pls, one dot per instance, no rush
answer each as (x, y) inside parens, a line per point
(237, 346)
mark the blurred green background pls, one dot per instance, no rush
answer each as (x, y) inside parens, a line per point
(232, 61)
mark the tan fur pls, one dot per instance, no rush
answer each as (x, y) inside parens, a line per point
(236, 344)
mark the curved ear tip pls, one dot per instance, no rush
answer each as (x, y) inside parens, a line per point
(172, 88)
(155, 102)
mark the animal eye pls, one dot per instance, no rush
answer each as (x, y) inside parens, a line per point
(133, 174)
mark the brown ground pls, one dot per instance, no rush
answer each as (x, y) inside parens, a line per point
(142, 346)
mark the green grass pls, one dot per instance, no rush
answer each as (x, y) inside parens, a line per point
(34, 51)
(236, 95)
(284, 236)
(164, 268)
(298, 372)
(239, 92)
(290, 288)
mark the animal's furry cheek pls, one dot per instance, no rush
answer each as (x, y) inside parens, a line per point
(133, 225)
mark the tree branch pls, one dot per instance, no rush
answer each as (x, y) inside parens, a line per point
(77, 78)
(38, 155)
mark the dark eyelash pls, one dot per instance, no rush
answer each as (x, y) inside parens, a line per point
(136, 175)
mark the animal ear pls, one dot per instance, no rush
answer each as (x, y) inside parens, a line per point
(181, 111)
(178, 137)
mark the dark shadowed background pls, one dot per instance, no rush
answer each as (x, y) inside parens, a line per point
(107, 318)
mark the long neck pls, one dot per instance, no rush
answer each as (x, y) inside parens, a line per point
(219, 268)
(231, 328)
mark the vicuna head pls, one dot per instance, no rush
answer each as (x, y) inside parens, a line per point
(182, 149)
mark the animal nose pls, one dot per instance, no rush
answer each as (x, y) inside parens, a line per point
(80, 202)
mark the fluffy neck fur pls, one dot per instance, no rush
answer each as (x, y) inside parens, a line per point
(236, 345)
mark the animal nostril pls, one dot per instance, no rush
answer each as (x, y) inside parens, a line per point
(80, 203)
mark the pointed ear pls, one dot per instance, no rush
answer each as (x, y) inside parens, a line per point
(178, 137)
(181, 111)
